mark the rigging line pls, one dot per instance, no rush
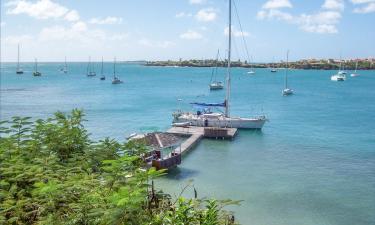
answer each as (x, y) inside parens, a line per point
(243, 37)
(236, 49)
(255, 82)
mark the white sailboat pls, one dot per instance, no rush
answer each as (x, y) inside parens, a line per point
(36, 73)
(115, 80)
(90, 72)
(251, 68)
(355, 74)
(340, 75)
(206, 118)
(18, 70)
(214, 84)
(102, 77)
(273, 69)
(65, 69)
(287, 91)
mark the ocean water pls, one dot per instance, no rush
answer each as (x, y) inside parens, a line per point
(313, 163)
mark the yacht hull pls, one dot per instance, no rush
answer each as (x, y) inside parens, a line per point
(221, 121)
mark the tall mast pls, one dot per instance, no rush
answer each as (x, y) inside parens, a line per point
(227, 97)
(114, 69)
(18, 58)
(89, 66)
(101, 71)
(287, 68)
(36, 65)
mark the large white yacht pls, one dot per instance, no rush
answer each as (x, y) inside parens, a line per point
(206, 118)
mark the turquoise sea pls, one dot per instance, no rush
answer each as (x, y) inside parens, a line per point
(313, 163)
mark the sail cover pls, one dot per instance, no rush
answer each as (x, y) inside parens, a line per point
(199, 104)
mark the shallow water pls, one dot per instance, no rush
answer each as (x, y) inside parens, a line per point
(313, 163)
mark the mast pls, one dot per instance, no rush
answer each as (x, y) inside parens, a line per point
(227, 97)
(66, 66)
(101, 70)
(287, 68)
(18, 58)
(36, 65)
(356, 67)
(88, 66)
(114, 69)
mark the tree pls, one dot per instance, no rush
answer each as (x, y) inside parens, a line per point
(52, 173)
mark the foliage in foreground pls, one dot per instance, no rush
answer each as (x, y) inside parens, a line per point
(52, 173)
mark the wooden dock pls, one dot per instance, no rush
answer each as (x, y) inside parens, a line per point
(195, 134)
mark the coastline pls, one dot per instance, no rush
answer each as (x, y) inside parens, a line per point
(367, 64)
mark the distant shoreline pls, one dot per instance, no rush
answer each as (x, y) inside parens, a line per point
(368, 64)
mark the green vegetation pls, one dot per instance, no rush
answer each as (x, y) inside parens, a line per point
(52, 173)
(328, 64)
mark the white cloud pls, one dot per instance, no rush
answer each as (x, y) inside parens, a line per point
(191, 35)
(42, 9)
(183, 14)
(206, 15)
(72, 16)
(236, 33)
(276, 4)
(333, 5)
(2, 24)
(274, 14)
(366, 9)
(107, 20)
(361, 1)
(196, 2)
(155, 44)
(17, 39)
(322, 22)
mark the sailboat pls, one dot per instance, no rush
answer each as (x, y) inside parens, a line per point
(36, 73)
(287, 91)
(355, 74)
(90, 73)
(251, 68)
(205, 118)
(214, 84)
(115, 80)
(18, 70)
(340, 75)
(273, 70)
(102, 77)
(65, 69)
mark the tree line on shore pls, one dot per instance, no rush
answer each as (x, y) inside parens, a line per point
(302, 64)
(51, 172)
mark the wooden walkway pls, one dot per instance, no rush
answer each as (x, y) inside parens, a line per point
(195, 134)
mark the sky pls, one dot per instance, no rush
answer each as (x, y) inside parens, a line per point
(189, 29)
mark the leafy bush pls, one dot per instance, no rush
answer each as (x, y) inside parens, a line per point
(52, 173)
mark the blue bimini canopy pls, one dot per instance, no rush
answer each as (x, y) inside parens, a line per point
(198, 104)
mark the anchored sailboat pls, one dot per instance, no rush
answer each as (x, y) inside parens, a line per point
(65, 66)
(90, 72)
(18, 70)
(355, 74)
(102, 77)
(251, 71)
(36, 73)
(204, 116)
(115, 80)
(214, 84)
(287, 91)
(273, 69)
(341, 74)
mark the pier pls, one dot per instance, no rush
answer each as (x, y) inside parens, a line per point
(195, 134)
